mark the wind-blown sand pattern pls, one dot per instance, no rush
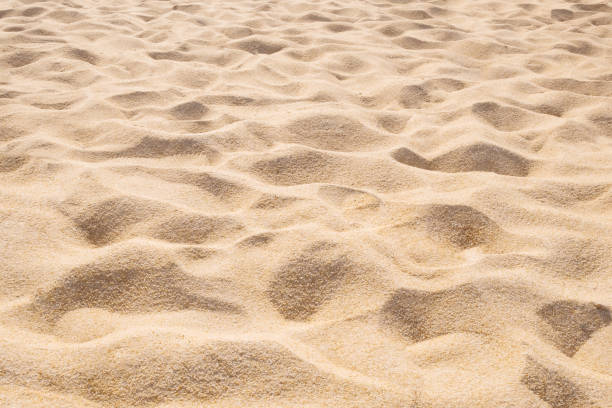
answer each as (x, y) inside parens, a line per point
(320, 203)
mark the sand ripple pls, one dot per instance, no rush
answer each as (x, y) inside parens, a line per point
(305, 203)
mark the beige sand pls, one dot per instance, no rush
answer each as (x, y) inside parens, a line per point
(320, 203)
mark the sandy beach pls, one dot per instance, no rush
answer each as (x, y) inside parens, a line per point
(319, 203)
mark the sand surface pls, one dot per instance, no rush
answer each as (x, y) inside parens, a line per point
(319, 203)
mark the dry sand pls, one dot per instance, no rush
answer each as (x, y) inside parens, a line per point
(321, 203)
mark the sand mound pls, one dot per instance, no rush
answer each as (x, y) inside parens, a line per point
(155, 147)
(120, 217)
(573, 322)
(475, 307)
(193, 369)
(298, 167)
(483, 157)
(11, 163)
(333, 133)
(576, 258)
(259, 46)
(459, 225)
(189, 111)
(344, 197)
(413, 96)
(390, 203)
(103, 222)
(301, 286)
(196, 229)
(503, 118)
(130, 281)
(304, 166)
(476, 157)
(558, 389)
(217, 187)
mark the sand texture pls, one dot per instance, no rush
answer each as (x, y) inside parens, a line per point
(317, 203)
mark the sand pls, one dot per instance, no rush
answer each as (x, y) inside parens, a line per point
(320, 203)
